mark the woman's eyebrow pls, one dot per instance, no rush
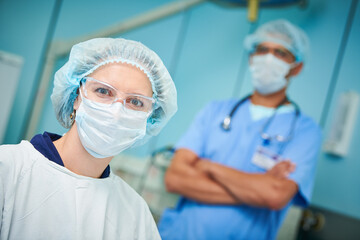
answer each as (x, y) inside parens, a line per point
(139, 93)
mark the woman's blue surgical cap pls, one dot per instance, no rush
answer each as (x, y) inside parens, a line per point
(87, 56)
(281, 32)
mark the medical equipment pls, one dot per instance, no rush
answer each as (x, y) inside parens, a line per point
(342, 128)
(225, 125)
(152, 186)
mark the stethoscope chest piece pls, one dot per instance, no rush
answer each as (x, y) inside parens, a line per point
(226, 123)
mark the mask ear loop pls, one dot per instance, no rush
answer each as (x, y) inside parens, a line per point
(294, 65)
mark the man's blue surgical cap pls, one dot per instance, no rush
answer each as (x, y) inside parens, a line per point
(281, 32)
(87, 56)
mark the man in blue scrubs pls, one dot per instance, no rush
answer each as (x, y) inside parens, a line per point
(238, 178)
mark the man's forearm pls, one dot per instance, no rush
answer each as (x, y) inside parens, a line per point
(260, 190)
(198, 187)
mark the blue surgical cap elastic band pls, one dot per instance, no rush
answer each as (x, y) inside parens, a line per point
(121, 60)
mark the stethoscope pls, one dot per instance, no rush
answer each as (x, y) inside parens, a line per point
(226, 124)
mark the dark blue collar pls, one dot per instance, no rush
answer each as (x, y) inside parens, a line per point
(44, 144)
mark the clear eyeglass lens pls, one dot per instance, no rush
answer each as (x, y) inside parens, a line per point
(138, 103)
(101, 93)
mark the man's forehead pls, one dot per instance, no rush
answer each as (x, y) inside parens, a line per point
(273, 45)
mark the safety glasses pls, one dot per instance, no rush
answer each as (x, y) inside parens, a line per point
(104, 93)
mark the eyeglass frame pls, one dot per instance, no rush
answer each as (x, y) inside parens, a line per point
(276, 51)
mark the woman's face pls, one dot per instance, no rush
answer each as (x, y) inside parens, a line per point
(124, 77)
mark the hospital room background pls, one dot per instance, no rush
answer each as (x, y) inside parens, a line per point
(201, 43)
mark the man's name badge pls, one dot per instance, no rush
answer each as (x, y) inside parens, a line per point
(265, 158)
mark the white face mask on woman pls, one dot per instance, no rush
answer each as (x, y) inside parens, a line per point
(106, 130)
(268, 73)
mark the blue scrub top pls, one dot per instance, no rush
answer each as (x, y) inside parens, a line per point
(235, 148)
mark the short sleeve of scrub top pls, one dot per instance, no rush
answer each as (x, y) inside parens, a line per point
(303, 150)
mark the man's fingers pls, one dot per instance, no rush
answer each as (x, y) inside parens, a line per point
(292, 167)
(282, 169)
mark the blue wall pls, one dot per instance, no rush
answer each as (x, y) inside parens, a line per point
(24, 26)
(338, 180)
(202, 48)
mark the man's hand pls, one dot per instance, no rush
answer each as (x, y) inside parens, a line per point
(282, 169)
(271, 189)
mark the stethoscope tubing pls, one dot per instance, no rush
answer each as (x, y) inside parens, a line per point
(226, 123)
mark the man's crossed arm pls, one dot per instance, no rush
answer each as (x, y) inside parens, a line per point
(209, 182)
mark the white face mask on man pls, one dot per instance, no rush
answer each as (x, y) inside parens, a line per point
(106, 130)
(268, 73)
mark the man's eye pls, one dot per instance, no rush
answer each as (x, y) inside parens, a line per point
(262, 50)
(281, 53)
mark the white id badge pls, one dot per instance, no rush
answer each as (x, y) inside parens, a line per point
(265, 158)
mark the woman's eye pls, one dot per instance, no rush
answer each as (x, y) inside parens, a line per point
(103, 91)
(136, 102)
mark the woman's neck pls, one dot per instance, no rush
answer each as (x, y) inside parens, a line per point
(76, 158)
(271, 100)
